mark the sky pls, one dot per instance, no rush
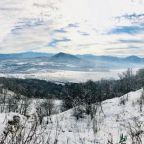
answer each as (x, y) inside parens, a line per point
(100, 27)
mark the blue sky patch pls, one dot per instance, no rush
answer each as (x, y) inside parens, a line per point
(127, 30)
(131, 41)
(131, 16)
(55, 42)
(61, 30)
(83, 33)
(73, 25)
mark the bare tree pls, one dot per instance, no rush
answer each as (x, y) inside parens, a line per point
(3, 99)
(12, 104)
(46, 108)
(140, 77)
(28, 132)
(141, 101)
(24, 105)
(135, 131)
(127, 81)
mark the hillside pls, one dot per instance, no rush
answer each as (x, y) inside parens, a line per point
(109, 123)
(115, 119)
(26, 55)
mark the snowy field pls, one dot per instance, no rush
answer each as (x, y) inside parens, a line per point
(69, 76)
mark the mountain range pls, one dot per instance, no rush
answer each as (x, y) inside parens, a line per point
(65, 57)
(32, 62)
(24, 55)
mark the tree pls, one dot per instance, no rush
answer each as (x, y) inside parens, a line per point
(127, 80)
(45, 108)
(140, 77)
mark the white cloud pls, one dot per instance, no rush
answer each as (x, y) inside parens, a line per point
(30, 25)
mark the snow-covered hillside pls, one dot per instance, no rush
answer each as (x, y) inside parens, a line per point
(116, 119)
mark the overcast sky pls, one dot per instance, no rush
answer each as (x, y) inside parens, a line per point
(101, 27)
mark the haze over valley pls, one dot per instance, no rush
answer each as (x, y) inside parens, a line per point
(66, 67)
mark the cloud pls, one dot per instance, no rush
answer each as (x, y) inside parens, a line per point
(61, 30)
(131, 16)
(25, 24)
(132, 29)
(83, 33)
(135, 47)
(55, 42)
(131, 41)
(124, 48)
(74, 26)
(67, 28)
(125, 51)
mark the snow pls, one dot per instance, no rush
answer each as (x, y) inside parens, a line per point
(67, 76)
(112, 122)
(5, 117)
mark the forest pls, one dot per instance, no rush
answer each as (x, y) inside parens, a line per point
(76, 93)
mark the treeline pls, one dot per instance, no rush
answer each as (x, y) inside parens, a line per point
(74, 94)
(32, 88)
(93, 92)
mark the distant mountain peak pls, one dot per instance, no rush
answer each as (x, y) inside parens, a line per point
(133, 58)
(65, 57)
(62, 53)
